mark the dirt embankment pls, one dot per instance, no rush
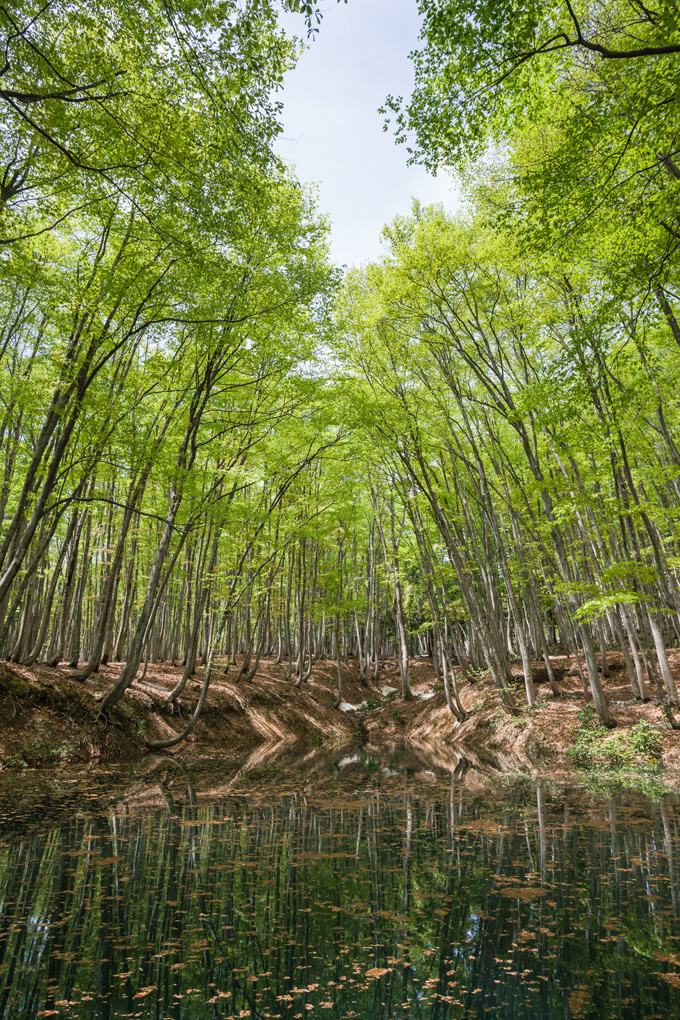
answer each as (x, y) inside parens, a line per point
(49, 718)
(536, 741)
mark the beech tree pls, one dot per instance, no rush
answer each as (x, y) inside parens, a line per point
(213, 452)
(460, 342)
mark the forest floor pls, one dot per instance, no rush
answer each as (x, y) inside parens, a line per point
(48, 718)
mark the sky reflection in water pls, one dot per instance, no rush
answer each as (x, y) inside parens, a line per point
(300, 889)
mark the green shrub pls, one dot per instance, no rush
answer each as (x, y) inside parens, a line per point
(646, 741)
(582, 751)
(615, 751)
(589, 719)
(595, 748)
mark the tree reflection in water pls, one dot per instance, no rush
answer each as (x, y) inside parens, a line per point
(374, 899)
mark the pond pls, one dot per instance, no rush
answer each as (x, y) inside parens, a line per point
(333, 887)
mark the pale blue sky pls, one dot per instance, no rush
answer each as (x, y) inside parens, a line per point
(333, 131)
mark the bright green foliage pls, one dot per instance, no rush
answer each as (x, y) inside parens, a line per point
(484, 67)
(581, 102)
(524, 412)
(164, 284)
(162, 106)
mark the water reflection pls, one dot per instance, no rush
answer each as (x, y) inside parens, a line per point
(301, 889)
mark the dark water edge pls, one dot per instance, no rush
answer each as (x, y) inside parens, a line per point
(344, 886)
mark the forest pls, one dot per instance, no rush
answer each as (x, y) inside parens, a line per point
(219, 448)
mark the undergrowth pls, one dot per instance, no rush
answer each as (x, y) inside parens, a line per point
(595, 747)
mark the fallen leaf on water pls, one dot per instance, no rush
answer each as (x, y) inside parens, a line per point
(144, 991)
(526, 893)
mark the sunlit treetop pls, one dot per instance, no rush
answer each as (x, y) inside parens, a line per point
(484, 65)
(133, 96)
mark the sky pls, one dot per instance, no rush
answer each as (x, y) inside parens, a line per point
(333, 133)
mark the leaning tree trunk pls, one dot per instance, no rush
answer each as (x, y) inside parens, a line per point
(138, 640)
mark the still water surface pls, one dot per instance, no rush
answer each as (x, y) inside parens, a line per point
(333, 889)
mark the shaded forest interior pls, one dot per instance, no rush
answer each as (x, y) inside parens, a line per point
(216, 448)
